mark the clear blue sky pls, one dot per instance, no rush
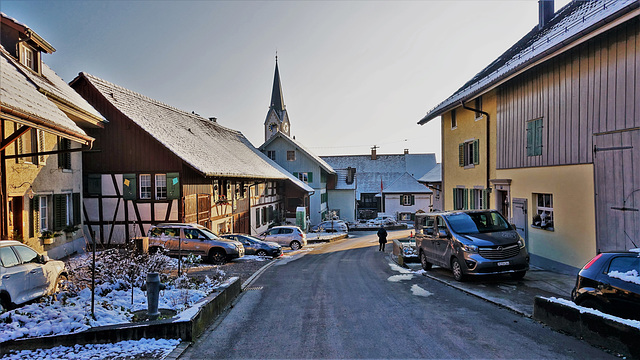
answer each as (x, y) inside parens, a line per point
(354, 73)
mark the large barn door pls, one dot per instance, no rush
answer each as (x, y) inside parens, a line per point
(197, 209)
(617, 185)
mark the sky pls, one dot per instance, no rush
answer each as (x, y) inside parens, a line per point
(354, 74)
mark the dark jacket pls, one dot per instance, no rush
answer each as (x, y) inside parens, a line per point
(382, 235)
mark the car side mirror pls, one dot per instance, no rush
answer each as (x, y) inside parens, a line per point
(514, 227)
(443, 233)
(43, 259)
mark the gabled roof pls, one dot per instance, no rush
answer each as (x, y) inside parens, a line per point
(21, 99)
(292, 142)
(31, 35)
(571, 23)
(406, 184)
(209, 148)
(297, 182)
(371, 174)
(433, 176)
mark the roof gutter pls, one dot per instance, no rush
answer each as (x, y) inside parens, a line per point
(488, 136)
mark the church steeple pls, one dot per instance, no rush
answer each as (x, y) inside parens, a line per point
(277, 100)
(277, 118)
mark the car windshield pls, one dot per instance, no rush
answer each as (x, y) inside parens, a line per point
(477, 222)
(209, 234)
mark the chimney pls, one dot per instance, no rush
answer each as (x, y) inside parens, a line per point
(213, 119)
(406, 151)
(545, 12)
(373, 153)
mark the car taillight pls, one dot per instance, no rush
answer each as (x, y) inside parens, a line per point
(591, 262)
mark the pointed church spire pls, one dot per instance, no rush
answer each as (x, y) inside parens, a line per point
(277, 100)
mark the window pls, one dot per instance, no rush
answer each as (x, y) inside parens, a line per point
(460, 198)
(454, 121)
(291, 155)
(543, 217)
(534, 137)
(407, 200)
(94, 184)
(64, 159)
(27, 255)
(161, 186)
(31, 142)
(271, 154)
(145, 186)
(264, 215)
(7, 257)
(28, 57)
(307, 177)
(478, 199)
(258, 218)
(468, 153)
(478, 106)
(43, 212)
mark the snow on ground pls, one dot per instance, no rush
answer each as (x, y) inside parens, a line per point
(629, 276)
(418, 291)
(398, 278)
(252, 258)
(569, 303)
(147, 348)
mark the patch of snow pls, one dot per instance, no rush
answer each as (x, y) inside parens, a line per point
(252, 258)
(420, 272)
(147, 348)
(398, 278)
(400, 269)
(582, 309)
(418, 291)
(629, 276)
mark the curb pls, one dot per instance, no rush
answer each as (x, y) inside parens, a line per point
(175, 328)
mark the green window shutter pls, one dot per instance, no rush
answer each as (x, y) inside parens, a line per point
(472, 202)
(59, 211)
(295, 174)
(20, 147)
(476, 152)
(77, 209)
(310, 177)
(401, 198)
(530, 138)
(129, 188)
(538, 137)
(461, 154)
(465, 200)
(173, 186)
(413, 199)
(41, 159)
(34, 216)
(455, 199)
(94, 184)
(485, 199)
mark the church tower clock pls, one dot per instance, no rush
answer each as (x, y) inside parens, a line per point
(277, 117)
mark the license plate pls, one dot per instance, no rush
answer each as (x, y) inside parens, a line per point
(503, 263)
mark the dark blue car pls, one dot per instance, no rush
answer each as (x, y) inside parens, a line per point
(610, 283)
(255, 246)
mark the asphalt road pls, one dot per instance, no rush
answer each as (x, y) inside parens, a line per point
(346, 300)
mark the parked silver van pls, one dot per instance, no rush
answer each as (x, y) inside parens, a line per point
(470, 242)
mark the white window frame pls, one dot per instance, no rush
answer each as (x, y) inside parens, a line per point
(303, 176)
(43, 206)
(477, 198)
(161, 183)
(406, 200)
(69, 213)
(145, 186)
(545, 211)
(271, 154)
(28, 57)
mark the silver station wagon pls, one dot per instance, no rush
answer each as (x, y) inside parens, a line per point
(471, 242)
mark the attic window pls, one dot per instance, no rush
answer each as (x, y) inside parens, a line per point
(28, 57)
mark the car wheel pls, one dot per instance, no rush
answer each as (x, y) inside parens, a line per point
(593, 304)
(295, 245)
(217, 257)
(426, 265)
(517, 275)
(4, 304)
(456, 268)
(261, 253)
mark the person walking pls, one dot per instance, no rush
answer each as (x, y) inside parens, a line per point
(382, 237)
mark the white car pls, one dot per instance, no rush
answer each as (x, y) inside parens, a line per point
(382, 220)
(332, 226)
(290, 236)
(26, 275)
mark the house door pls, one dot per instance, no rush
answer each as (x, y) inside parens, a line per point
(15, 218)
(617, 185)
(520, 218)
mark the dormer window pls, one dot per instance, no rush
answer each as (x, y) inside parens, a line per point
(28, 57)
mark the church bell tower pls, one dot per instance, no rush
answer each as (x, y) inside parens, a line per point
(277, 118)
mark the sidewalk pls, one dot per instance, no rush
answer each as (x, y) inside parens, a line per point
(516, 295)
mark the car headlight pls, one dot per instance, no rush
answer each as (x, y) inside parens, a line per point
(521, 243)
(469, 248)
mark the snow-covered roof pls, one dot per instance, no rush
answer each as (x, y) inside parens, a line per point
(433, 176)
(406, 184)
(18, 92)
(571, 22)
(317, 159)
(208, 147)
(385, 169)
(341, 182)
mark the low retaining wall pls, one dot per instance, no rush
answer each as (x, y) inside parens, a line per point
(594, 329)
(185, 329)
(327, 238)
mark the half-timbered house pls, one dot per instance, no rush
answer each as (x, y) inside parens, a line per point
(154, 163)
